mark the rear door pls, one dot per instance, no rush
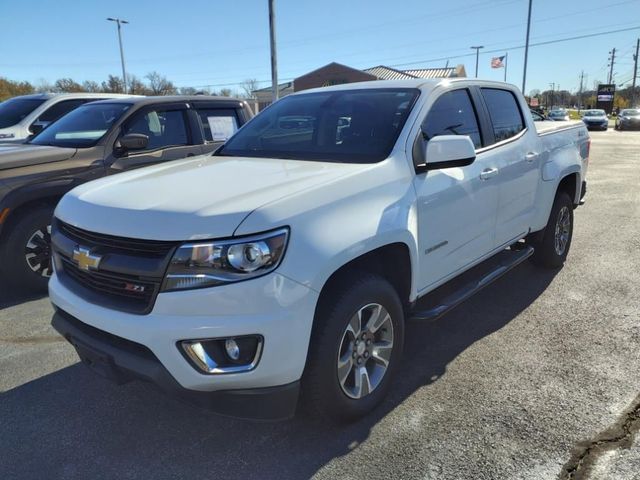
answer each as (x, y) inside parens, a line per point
(218, 123)
(169, 132)
(456, 207)
(512, 147)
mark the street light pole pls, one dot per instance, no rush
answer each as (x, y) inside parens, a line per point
(124, 72)
(274, 57)
(526, 49)
(477, 49)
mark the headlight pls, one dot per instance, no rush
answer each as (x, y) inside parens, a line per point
(207, 264)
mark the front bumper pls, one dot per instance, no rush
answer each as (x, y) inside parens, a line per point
(273, 306)
(121, 361)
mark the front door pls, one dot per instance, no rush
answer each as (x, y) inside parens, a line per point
(456, 207)
(169, 137)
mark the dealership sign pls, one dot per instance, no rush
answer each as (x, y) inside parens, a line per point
(605, 96)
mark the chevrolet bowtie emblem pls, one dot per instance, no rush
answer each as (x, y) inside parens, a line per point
(85, 259)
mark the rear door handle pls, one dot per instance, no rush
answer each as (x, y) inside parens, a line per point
(487, 173)
(530, 157)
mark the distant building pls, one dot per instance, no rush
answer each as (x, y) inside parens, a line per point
(336, 74)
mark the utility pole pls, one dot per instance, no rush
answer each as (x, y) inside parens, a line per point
(274, 57)
(477, 49)
(580, 91)
(612, 59)
(124, 72)
(553, 89)
(526, 49)
(635, 74)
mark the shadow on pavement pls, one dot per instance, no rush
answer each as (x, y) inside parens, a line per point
(72, 424)
(11, 296)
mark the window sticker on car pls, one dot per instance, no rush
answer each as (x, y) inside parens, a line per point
(222, 127)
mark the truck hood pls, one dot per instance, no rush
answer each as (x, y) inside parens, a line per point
(199, 198)
(25, 155)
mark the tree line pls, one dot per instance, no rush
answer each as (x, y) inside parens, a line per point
(565, 98)
(152, 84)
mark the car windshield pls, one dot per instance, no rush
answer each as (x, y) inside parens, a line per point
(82, 127)
(348, 126)
(14, 110)
(632, 112)
(594, 113)
(557, 113)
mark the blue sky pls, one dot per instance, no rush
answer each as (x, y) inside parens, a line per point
(220, 43)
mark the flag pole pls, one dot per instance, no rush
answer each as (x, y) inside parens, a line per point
(506, 58)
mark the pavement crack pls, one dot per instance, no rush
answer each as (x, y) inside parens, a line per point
(619, 436)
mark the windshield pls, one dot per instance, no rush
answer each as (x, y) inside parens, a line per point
(82, 127)
(630, 112)
(14, 110)
(557, 113)
(594, 113)
(349, 126)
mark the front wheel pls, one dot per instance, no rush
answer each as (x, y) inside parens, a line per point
(355, 348)
(551, 250)
(25, 253)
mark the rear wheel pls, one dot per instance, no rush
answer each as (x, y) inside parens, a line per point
(552, 247)
(355, 348)
(25, 254)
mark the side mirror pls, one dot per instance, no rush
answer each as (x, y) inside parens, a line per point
(37, 127)
(131, 141)
(448, 151)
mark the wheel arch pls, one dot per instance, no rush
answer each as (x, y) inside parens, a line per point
(391, 261)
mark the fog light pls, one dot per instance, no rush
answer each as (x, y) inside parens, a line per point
(232, 348)
(223, 355)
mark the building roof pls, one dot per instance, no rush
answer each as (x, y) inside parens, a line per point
(432, 72)
(388, 73)
(281, 87)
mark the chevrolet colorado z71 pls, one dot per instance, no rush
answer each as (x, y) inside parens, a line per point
(290, 259)
(95, 140)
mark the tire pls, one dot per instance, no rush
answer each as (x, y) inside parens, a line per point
(25, 251)
(552, 246)
(333, 346)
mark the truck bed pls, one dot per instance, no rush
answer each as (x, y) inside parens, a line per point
(544, 128)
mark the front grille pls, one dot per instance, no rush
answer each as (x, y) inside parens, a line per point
(120, 244)
(132, 288)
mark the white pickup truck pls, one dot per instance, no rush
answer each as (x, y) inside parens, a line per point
(290, 259)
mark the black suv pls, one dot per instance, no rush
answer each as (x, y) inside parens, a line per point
(97, 139)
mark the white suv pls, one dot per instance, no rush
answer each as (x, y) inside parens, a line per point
(21, 117)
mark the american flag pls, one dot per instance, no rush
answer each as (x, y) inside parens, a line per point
(496, 62)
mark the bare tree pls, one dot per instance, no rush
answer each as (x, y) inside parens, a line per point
(91, 86)
(112, 85)
(249, 86)
(159, 85)
(43, 86)
(136, 86)
(188, 91)
(67, 85)
(226, 92)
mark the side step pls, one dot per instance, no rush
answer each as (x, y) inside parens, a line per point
(489, 271)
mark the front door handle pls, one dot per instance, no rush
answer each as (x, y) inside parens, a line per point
(530, 157)
(487, 173)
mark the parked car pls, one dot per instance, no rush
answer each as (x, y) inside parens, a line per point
(538, 117)
(97, 139)
(559, 115)
(291, 257)
(595, 119)
(21, 117)
(628, 119)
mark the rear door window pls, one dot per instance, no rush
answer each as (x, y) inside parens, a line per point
(453, 114)
(218, 123)
(59, 109)
(504, 111)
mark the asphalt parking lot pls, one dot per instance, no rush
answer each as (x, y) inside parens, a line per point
(537, 377)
